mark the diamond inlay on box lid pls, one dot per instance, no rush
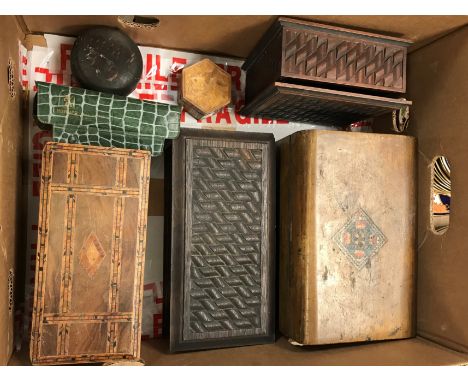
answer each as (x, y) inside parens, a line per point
(360, 239)
(91, 255)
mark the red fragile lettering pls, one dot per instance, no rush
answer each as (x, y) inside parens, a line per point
(160, 87)
(36, 170)
(65, 50)
(175, 76)
(223, 115)
(207, 120)
(167, 97)
(235, 73)
(40, 138)
(150, 286)
(60, 78)
(147, 96)
(182, 116)
(36, 187)
(48, 75)
(157, 321)
(149, 67)
(242, 120)
(158, 75)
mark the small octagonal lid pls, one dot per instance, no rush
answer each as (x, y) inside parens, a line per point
(206, 86)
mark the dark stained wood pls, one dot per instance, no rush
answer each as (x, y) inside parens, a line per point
(317, 105)
(220, 250)
(90, 259)
(347, 237)
(295, 50)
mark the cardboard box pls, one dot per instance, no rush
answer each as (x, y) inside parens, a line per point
(436, 83)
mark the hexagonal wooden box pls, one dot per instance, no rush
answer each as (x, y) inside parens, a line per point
(204, 88)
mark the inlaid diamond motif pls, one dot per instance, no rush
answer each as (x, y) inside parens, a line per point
(91, 255)
(360, 239)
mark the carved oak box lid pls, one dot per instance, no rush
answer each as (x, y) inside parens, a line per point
(295, 50)
(219, 239)
(90, 255)
(347, 237)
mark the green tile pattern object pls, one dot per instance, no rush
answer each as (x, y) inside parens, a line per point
(99, 119)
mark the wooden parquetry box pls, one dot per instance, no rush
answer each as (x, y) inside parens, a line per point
(90, 257)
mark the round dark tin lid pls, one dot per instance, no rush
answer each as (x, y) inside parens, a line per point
(107, 60)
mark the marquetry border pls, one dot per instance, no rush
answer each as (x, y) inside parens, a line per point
(63, 318)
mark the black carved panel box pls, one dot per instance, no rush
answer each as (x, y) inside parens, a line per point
(219, 239)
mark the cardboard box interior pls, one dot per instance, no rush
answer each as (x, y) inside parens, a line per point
(437, 83)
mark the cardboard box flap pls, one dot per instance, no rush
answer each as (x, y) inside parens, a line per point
(10, 179)
(437, 85)
(237, 35)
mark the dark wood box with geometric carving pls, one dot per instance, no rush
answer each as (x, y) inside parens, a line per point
(347, 237)
(296, 50)
(219, 239)
(90, 256)
(308, 72)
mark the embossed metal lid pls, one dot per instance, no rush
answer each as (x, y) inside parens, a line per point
(106, 59)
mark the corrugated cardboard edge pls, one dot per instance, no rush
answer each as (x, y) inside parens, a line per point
(11, 133)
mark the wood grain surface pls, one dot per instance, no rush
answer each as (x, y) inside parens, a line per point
(297, 50)
(89, 269)
(204, 88)
(310, 104)
(347, 237)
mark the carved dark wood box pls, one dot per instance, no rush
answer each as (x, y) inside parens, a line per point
(347, 229)
(316, 105)
(219, 239)
(307, 72)
(90, 254)
(295, 50)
